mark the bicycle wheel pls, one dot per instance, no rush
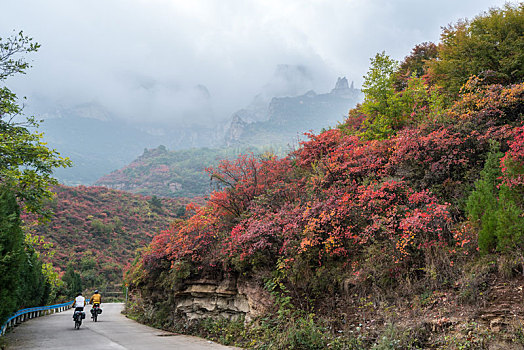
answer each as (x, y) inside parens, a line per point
(95, 316)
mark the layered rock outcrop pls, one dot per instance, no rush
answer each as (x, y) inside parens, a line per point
(228, 298)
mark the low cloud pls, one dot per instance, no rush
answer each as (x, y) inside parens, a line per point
(152, 60)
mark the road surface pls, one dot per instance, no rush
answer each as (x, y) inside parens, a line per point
(112, 331)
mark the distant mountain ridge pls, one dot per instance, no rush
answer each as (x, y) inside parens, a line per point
(181, 173)
(289, 117)
(98, 143)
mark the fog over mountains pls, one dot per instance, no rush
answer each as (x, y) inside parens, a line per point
(113, 78)
(99, 141)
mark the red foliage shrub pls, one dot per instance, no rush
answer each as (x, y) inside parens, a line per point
(338, 197)
(513, 161)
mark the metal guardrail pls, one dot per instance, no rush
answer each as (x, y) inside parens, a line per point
(32, 312)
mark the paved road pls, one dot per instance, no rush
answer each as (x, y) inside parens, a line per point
(112, 331)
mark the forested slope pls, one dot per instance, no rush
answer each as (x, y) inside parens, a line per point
(96, 230)
(174, 174)
(403, 227)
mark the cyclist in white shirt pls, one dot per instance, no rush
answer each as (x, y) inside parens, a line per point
(80, 302)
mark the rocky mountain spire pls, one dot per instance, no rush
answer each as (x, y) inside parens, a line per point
(342, 87)
(342, 84)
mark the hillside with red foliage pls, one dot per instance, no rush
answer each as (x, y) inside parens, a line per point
(97, 230)
(338, 196)
(418, 194)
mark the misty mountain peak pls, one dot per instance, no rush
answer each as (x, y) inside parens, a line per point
(342, 88)
(341, 84)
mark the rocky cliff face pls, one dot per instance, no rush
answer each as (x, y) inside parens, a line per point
(235, 130)
(229, 298)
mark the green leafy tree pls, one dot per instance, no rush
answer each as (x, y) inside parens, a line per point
(33, 287)
(44, 252)
(378, 84)
(26, 166)
(26, 163)
(378, 89)
(72, 281)
(492, 42)
(11, 253)
(22, 281)
(405, 105)
(387, 109)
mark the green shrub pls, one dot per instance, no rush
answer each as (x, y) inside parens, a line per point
(493, 209)
(21, 279)
(482, 203)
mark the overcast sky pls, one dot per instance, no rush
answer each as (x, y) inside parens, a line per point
(142, 59)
